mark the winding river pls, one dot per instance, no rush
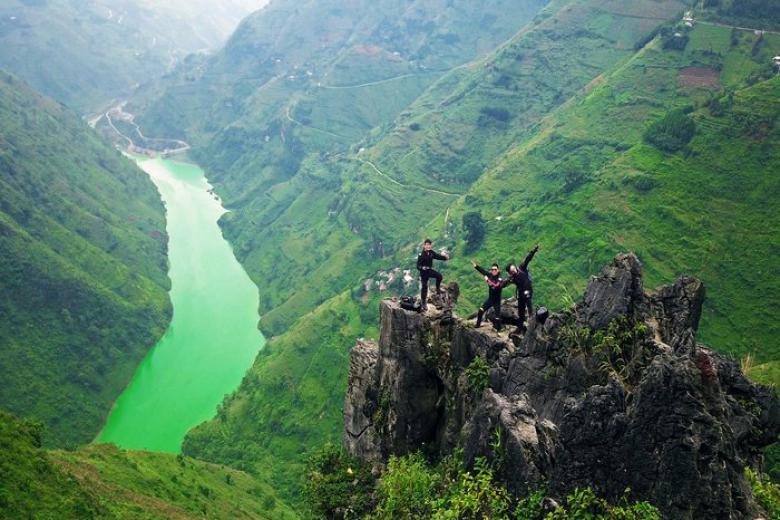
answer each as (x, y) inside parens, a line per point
(213, 337)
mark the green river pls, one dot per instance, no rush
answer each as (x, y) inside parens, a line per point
(213, 337)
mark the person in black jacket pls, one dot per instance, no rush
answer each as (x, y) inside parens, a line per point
(425, 266)
(520, 276)
(495, 285)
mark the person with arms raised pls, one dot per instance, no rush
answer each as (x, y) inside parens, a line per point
(495, 286)
(521, 277)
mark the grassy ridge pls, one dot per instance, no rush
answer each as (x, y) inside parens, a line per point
(83, 283)
(102, 482)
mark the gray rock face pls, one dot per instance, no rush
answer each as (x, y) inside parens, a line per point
(613, 393)
(528, 442)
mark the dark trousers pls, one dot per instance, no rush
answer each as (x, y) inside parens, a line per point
(492, 301)
(524, 303)
(425, 275)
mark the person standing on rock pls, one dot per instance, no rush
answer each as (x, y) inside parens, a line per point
(495, 286)
(425, 266)
(521, 277)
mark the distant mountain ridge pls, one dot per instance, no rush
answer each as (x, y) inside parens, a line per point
(88, 53)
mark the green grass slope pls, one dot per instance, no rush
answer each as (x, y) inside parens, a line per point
(579, 176)
(104, 482)
(83, 283)
(340, 219)
(588, 185)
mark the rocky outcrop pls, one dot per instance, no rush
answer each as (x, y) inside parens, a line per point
(613, 393)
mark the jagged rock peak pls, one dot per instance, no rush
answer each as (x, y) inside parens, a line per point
(613, 393)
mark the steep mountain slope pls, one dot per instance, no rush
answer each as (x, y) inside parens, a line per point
(291, 51)
(550, 138)
(589, 181)
(85, 54)
(104, 482)
(83, 283)
(340, 218)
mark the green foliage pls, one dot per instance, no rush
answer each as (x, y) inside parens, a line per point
(772, 461)
(621, 343)
(338, 485)
(478, 375)
(83, 283)
(674, 38)
(530, 507)
(31, 484)
(475, 495)
(406, 488)
(307, 200)
(618, 347)
(672, 132)
(473, 230)
(583, 504)
(766, 492)
(104, 482)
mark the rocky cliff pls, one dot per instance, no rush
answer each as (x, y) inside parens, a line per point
(613, 393)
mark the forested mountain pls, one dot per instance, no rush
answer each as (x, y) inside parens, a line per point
(103, 482)
(83, 277)
(85, 54)
(598, 126)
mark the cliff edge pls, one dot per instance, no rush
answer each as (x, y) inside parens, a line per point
(613, 393)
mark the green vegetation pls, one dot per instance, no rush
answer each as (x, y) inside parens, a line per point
(473, 230)
(478, 375)
(767, 493)
(544, 137)
(83, 283)
(103, 482)
(672, 132)
(411, 488)
(338, 485)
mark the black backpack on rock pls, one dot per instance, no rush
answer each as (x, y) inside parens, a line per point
(410, 304)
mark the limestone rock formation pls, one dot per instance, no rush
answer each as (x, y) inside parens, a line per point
(613, 393)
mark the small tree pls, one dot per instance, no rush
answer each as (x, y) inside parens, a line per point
(672, 132)
(474, 230)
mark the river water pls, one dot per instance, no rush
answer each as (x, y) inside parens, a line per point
(213, 337)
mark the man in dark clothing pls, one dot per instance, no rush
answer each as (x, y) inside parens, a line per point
(425, 266)
(495, 285)
(520, 276)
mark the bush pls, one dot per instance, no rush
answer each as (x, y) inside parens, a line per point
(473, 229)
(478, 375)
(494, 114)
(765, 492)
(583, 504)
(474, 496)
(672, 132)
(674, 39)
(338, 485)
(406, 489)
